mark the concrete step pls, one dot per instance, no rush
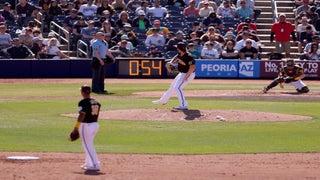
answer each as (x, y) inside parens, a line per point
(264, 20)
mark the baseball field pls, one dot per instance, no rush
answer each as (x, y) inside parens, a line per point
(260, 136)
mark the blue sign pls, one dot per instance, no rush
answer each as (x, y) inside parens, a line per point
(249, 69)
(217, 68)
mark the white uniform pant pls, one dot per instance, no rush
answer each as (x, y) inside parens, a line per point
(177, 86)
(87, 133)
(297, 84)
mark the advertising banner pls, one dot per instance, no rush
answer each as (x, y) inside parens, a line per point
(270, 69)
(249, 69)
(217, 68)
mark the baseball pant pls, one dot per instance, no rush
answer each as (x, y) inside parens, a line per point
(87, 133)
(297, 84)
(177, 86)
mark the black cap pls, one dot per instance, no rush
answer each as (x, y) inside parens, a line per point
(181, 46)
(86, 89)
(247, 20)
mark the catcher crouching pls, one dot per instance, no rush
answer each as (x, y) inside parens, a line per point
(289, 74)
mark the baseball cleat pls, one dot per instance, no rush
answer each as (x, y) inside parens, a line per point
(158, 102)
(181, 108)
(88, 168)
(264, 90)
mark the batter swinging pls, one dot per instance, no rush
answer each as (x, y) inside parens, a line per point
(186, 67)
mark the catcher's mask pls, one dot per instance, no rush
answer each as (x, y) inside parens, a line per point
(290, 62)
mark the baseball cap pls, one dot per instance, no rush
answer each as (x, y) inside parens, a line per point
(213, 15)
(6, 4)
(91, 22)
(141, 13)
(35, 39)
(51, 34)
(86, 89)
(179, 32)
(15, 39)
(247, 20)
(124, 37)
(181, 46)
(127, 25)
(282, 14)
(229, 33)
(304, 18)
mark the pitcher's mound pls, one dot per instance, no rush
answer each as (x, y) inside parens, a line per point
(197, 115)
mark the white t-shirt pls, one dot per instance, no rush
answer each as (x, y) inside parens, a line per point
(155, 40)
(88, 10)
(212, 54)
(158, 12)
(240, 44)
(302, 28)
(53, 51)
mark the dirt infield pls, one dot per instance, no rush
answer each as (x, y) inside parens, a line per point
(175, 167)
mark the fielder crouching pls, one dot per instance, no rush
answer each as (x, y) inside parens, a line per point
(289, 74)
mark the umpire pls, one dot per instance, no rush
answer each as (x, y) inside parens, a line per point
(99, 53)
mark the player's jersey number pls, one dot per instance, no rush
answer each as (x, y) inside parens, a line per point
(95, 109)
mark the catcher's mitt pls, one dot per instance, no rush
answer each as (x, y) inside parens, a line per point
(172, 67)
(74, 135)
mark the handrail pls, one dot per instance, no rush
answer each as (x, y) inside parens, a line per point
(274, 10)
(79, 50)
(61, 30)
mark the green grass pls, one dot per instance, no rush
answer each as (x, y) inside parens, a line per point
(31, 121)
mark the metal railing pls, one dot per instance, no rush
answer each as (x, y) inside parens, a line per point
(54, 26)
(81, 44)
(274, 10)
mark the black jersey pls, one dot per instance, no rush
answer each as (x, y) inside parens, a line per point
(91, 108)
(294, 72)
(184, 62)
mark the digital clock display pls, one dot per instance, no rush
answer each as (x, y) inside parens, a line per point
(140, 67)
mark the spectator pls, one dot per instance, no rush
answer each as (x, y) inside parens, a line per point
(197, 44)
(211, 31)
(247, 21)
(104, 5)
(206, 10)
(54, 51)
(170, 46)
(229, 36)
(176, 3)
(209, 52)
(133, 5)
(26, 38)
(44, 4)
(53, 11)
(107, 16)
(141, 22)
(213, 20)
(70, 20)
(88, 10)
(196, 29)
(241, 43)
(119, 5)
(5, 38)
(76, 31)
(303, 26)
(154, 52)
(244, 11)
(312, 15)
(129, 44)
(314, 52)
(8, 14)
(123, 19)
(2, 19)
(248, 51)
(315, 39)
(251, 4)
(143, 7)
(191, 10)
(161, 29)
(26, 12)
(18, 50)
(78, 3)
(107, 28)
(109, 40)
(155, 39)
(125, 30)
(225, 10)
(88, 32)
(282, 30)
(157, 11)
(64, 5)
(229, 52)
(303, 8)
(248, 34)
(210, 3)
(121, 50)
(37, 48)
(305, 38)
(216, 45)
(195, 54)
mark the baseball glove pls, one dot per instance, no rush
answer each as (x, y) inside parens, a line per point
(74, 135)
(172, 67)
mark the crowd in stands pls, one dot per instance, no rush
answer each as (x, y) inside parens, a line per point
(211, 29)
